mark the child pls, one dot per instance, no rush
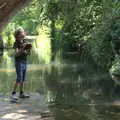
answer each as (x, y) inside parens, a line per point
(22, 50)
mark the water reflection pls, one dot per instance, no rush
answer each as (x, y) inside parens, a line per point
(74, 91)
(88, 113)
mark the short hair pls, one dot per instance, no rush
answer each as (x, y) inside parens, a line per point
(18, 31)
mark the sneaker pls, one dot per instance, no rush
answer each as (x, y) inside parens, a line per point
(14, 96)
(24, 96)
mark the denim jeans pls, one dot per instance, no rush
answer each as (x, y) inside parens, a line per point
(20, 66)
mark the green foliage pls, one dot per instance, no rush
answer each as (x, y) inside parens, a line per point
(105, 35)
(8, 35)
(30, 17)
(90, 27)
(78, 18)
(42, 46)
(115, 69)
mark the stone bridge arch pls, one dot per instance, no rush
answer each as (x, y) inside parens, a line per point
(8, 8)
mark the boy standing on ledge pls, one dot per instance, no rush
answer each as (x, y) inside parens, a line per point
(22, 50)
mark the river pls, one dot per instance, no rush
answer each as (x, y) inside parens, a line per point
(73, 90)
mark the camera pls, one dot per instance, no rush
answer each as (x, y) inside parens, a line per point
(27, 46)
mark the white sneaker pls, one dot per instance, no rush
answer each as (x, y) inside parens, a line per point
(14, 97)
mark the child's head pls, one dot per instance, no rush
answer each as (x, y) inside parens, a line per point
(19, 34)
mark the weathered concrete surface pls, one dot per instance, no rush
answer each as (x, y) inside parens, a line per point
(34, 108)
(8, 8)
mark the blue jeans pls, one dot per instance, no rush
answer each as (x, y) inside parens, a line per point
(21, 66)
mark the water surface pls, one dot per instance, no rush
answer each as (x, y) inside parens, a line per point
(73, 90)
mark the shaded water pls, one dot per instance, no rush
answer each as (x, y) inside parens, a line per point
(74, 91)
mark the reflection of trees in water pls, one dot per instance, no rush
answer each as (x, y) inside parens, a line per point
(75, 91)
(70, 83)
(66, 84)
(1, 46)
(1, 52)
(1, 42)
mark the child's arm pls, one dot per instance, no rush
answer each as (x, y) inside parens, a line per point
(17, 52)
(27, 48)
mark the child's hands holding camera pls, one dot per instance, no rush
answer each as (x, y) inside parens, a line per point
(26, 48)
